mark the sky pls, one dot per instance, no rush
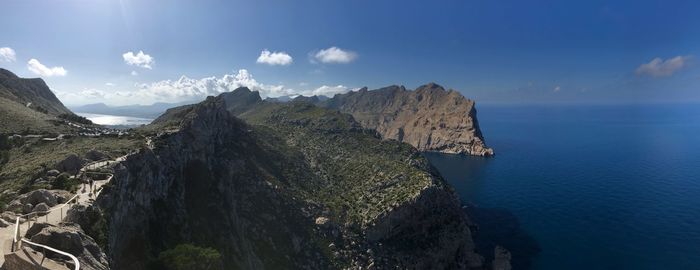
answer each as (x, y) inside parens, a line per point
(141, 52)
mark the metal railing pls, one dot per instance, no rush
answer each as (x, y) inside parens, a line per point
(17, 239)
(44, 248)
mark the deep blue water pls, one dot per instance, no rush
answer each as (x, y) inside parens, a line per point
(596, 186)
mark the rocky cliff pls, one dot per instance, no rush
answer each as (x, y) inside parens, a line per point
(29, 106)
(295, 186)
(430, 118)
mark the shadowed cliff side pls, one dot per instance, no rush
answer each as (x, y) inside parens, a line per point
(297, 187)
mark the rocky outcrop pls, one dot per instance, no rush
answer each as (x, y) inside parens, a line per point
(429, 118)
(69, 237)
(501, 259)
(71, 164)
(95, 155)
(25, 203)
(296, 187)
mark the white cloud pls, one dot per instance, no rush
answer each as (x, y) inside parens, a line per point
(326, 90)
(557, 88)
(274, 58)
(335, 55)
(82, 97)
(140, 59)
(189, 89)
(38, 68)
(92, 94)
(7, 54)
(134, 73)
(109, 84)
(663, 68)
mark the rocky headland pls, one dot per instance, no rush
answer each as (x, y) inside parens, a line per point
(430, 118)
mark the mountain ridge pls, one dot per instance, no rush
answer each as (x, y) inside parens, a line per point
(29, 106)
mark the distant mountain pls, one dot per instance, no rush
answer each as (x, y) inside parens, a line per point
(28, 105)
(280, 99)
(429, 118)
(295, 97)
(141, 111)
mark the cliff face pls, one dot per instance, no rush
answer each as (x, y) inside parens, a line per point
(34, 91)
(429, 118)
(297, 187)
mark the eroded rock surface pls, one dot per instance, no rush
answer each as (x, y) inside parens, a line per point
(430, 118)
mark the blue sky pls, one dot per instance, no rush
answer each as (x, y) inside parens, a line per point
(491, 51)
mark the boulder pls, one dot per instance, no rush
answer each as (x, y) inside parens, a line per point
(27, 208)
(322, 221)
(69, 237)
(71, 164)
(41, 196)
(15, 206)
(25, 203)
(95, 155)
(42, 207)
(53, 173)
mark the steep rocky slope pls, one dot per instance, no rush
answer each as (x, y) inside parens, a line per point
(429, 118)
(30, 91)
(297, 186)
(28, 105)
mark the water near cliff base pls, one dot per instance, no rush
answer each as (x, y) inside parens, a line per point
(595, 187)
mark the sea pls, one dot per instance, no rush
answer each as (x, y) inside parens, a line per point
(115, 120)
(612, 186)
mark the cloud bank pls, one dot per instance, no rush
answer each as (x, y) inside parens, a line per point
(658, 67)
(38, 68)
(334, 55)
(189, 89)
(7, 54)
(140, 59)
(274, 58)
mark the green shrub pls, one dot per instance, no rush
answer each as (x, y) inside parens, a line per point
(63, 181)
(187, 256)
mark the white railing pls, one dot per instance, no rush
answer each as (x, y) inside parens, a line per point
(75, 260)
(18, 239)
(94, 165)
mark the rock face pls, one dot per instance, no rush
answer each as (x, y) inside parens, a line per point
(429, 118)
(296, 187)
(69, 237)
